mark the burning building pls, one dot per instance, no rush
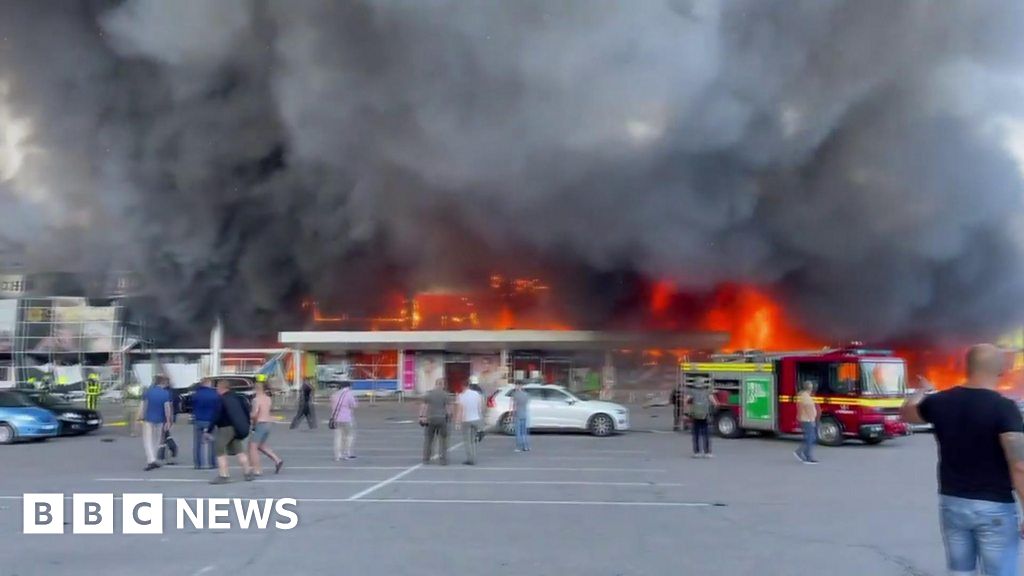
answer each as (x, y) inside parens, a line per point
(791, 173)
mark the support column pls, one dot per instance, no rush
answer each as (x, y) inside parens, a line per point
(504, 365)
(216, 344)
(297, 368)
(608, 377)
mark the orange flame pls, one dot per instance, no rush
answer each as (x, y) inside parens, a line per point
(754, 321)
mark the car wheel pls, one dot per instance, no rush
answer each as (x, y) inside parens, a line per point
(507, 424)
(601, 425)
(830, 433)
(7, 434)
(727, 426)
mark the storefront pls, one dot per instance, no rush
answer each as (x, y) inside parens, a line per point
(413, 362)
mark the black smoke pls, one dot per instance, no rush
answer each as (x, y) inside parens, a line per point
(861, 158)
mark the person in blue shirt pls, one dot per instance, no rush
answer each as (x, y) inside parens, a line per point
(156, 415)
(205, 407)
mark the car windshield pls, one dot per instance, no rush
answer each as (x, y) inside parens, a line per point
(15, 400)
(884, 378)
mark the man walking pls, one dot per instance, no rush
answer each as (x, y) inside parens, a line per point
(468, 414)
(676, 399)
(305, 406)
(262, 421)
(168, 447)
(701, 402)
(434, 414)
(205, 406)
(155, 412)
(807, 416)
(981, 464)
(230, 427)
(343, 422)
(521, 417)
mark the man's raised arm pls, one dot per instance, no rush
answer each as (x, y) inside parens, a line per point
(909, 411)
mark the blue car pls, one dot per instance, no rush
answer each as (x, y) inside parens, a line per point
(20, 419)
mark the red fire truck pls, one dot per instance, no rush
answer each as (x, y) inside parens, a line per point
(858, 391)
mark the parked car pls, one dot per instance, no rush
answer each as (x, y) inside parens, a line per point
(20, 419)
(244, 385)
(73, 420)
(555, 408)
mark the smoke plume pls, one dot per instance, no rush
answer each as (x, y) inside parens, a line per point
(862, 159)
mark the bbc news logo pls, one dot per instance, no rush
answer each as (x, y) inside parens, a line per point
(144, 513)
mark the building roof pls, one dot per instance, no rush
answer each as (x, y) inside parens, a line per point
(493, 340)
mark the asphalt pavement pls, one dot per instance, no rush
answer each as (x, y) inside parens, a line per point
(632, 504)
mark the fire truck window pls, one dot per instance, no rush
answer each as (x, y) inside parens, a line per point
(816, 372)
(847, 375)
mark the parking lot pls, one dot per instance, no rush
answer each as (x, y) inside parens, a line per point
(628, 504)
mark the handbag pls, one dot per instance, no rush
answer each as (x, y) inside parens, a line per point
(333, 423)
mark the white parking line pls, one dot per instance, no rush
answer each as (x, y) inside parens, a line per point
(541, 502)
(563, 469)
(341, 467)
(259, 481)
(455, 501)
(413, 455)
(384, 483)
(425, 482)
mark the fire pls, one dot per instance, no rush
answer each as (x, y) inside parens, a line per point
(754, 321)
(504, 304)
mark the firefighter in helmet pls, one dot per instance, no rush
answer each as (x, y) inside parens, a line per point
(92, 391)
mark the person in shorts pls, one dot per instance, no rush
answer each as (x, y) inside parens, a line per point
(262, 421)
(229, 429)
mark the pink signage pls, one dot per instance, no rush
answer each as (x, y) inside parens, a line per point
(408, 370)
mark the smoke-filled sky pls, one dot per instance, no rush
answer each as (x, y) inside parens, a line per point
(861, 158)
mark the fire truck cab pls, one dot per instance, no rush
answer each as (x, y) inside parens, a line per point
(858, 392)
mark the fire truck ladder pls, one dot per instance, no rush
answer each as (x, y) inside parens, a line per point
(760, 357)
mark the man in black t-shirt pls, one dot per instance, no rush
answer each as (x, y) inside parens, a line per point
(981, 464)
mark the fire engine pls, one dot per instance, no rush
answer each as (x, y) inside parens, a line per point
(858, 392)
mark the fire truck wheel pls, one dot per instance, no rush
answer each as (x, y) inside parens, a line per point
(508, 426)
(727, 426)
(830, 433)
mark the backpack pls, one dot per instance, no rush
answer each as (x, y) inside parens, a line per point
(700, 406)
(245, 403)
(239, 421)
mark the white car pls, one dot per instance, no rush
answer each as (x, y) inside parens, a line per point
(555, 408)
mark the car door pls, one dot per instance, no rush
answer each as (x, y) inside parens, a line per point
(542, 411)
(565, 411)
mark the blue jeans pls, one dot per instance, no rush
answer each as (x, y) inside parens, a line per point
(806, 449)
(522, 434)
(979, 531)
(202, 450)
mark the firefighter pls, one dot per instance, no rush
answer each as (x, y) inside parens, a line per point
(92, 391)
